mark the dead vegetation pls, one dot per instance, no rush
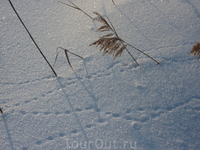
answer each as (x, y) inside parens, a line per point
(111, 43)
(66, 54)
(196, 50)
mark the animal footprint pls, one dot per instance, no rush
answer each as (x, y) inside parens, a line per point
(136, 126)
(74, 131)
(67, 112)
(50, 138)
(78, 109)
(57, 113)
(61, 134)
(39, 142)
(101, 120)
(97, 110)
(128, 117)
(46, 113)
(17, 104)
(35, 113)
(23, 112)
(108, 113)
(115, 115)
(88, 108)
(27, 101)
(90, 125)
(143, 118)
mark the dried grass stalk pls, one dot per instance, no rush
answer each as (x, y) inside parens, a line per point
(75, 7)
(66, 54)
(111, 43)
(113, 2)
(196, 50)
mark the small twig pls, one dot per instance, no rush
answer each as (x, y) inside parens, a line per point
(75, 7)
(32, 38)
(113, 2)
(66, 54)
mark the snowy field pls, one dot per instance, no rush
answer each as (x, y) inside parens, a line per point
(102, 104)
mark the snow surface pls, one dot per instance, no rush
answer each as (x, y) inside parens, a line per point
(104, 104)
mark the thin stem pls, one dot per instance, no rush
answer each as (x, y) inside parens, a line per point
(68, 59)
(56, 56)
(75, 7)
(112, 27)
(66, 54)
(132, 56)
(71, 52)
(143, 53)
(113, 2)
(32, 38)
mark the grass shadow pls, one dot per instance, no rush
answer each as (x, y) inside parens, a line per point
(89, 91)
(7, 131)
(194, 7)
(138, 29)
(73, 110)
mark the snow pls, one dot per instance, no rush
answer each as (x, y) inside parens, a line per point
(102, 104)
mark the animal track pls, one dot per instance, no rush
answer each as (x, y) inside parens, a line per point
(58, 113)
(140, 109)
(67, 112)
(128, 117)
(35, 113)
(50, 138)
(39, 142)
(23, 112)
(88, 108)
(138, 117)
(128, 111)
(101, 120)
(108, 113)
(90, 125)
(115, 115)
(47, 113)
(136, 126)
(78, 109)
(143, 118)
(27, 101)
(74, 131)
(17, 104)
(97, 110)
(61, 134)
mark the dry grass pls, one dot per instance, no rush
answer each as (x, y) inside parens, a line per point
(72, 5)
(196, 50)
(66, 54)
(110, 43)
